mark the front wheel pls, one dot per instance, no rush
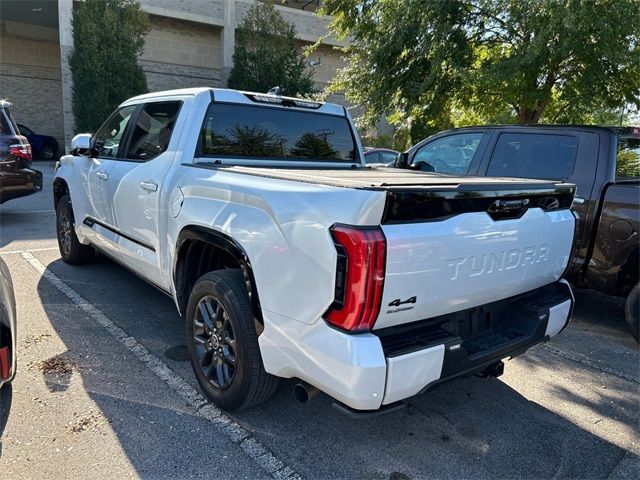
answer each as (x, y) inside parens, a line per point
(223, 343)
(71, 250)
(632, 312)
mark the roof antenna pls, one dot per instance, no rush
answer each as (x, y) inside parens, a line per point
(277, 91)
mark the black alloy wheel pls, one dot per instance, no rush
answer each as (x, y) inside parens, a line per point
(215, 343)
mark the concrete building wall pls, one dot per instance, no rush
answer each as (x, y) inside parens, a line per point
(330, 61)
(202, 11)
(30, 76)
(181, 54)
(309, 26)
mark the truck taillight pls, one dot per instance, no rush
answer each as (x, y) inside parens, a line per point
(21, 151)
(360, 277)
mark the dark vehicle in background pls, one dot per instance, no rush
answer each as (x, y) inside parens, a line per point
(17, 179)
(603, 162)
(43, 147)
(377, 156)
(7, 326)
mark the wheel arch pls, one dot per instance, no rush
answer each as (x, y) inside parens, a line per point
(629, 274)
(60, 188)
(200, 250)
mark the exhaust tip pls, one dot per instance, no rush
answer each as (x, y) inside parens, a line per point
(304, 392)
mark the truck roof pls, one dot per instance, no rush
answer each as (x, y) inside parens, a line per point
(630, 130)
(243, 97)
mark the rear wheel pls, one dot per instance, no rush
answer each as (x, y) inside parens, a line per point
(632, 312)
(47, 153)
(223, 343)
(71, 250)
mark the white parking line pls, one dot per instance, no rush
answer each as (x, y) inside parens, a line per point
(10, 252)
(231, 429)
(20, 212)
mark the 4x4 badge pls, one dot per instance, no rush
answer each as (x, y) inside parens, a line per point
(397, 302)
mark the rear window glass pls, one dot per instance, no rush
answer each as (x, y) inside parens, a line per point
(6, 120)
(4, 127)
(273, 133)
(628, 161)
(528, 155)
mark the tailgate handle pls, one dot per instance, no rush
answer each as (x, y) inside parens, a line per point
(504, 206)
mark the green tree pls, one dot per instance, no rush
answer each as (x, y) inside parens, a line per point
(423, 63)
(267, 54)
(108, 37)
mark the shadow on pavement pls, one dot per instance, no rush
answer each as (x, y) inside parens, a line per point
(469, 428)
(6, 397)
(160, 435)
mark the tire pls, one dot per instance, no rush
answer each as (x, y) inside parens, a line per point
(231, 386)
(71, 250)
(47, 153)
(632, 312)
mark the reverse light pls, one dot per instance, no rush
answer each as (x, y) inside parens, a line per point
(21, 151)
(359, 279)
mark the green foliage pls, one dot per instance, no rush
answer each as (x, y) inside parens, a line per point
(313, 145)
(108, 36)
(267, 54)
(628, 163)
(432, 64)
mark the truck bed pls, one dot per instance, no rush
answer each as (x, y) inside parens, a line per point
(382, 178)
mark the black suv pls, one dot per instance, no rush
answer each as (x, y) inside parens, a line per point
(17, 179)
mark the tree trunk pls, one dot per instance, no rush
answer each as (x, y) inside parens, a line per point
(529, 116)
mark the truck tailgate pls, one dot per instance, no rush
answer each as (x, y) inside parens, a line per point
(462, 247)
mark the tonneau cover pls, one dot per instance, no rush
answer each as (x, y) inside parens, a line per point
(383, 178)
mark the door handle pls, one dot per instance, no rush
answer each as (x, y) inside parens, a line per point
(102, 175)
(152, 187)
(578, 200)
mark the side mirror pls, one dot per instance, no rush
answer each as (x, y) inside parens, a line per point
(81, 145)
(402, 160)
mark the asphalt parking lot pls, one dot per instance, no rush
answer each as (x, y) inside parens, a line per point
(105, 389)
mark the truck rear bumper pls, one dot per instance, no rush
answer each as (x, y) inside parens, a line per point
(371, 370)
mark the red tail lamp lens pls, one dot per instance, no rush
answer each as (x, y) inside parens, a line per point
(21, 151)
(361, 280)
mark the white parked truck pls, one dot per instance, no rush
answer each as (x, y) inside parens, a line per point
(288, 257)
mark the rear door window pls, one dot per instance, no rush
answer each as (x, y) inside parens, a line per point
(252, 132)
(628, 159)
(152, 130)
(530, 155)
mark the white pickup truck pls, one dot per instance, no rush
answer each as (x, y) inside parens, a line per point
(288, 257)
